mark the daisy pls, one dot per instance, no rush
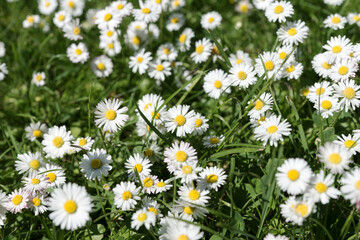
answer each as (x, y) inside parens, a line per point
(107, 35)
(2, 49)
(167, 52)
(72, 30)
(35, 130)
(57, 142)
(243, 6)
(159, 70)
(29, 163)
(293, 33)
(3, 71)
(210, 20)
(261, 105)
(294, 176)
(338, 47)
(262, 4)
(17, 201)
(270, 236)
(272, 130)
(154, 31)
(216, 82)
(240, 57)
(175, 22)
(47, 7)
(176, 5)
(279, 11)
(201, 124)
(74, 7)
(182, 120)
(54, 175)
(354, 18)
(184, 39)
(202, 51)
(144, 130)
(61, 18)
(161, 3)
(149, 183)
(179, 153)
(126, 195)
(148, 12)
(348, 93)
(31, 21)
(96, 164)
(268, 63)
(286, 52)
(344, 69)
(152, 150)
(351, 185)
(3, 210)
(78, 53)
(292, 70)
(175, 229)
(35, 183)
(211, 178)
(335, 158)
(140, 61)
(110, 116)
(111, 47)
(255, 122)
(70, 206)
(322, 65)
(327, 106)
(107, 18)
(242, 75)
(138, 163)
(335, 21)
(38, 204)
(187, 172)
(38, 78)
(102, 66)
(194, 195)
(123, 8)
(321, 188)
(297, 210)
(213, 141)
(351, 143)
(83, 143)
(334, 2)
(188, 211)
(143, 217)
(150, 100)
(319, 91)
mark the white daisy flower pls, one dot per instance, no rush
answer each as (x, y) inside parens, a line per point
(202, 52)
(338, 47)
(83, 143)
(242, 75)
(34, 183)
(297, 210)
(38, 204)
(348, 93)
(255, 122)
(162, 186)
(74, 7)
(3, 210)
(38, 78)
(344, 69)
(107, 18)
(47, 7)
(70, 206)
(279, 11)
(201, 124)
(96, 164)
(351, 185)
(184, 39)
(262, 4)
(54, 174)
(159, 70)
(243, 6)
(138, 163)
(175, 22)
(176, 5)
(35, 130)
(179, 153)
(61, 18)
(109, 116)
(143, 217)
(161, 3)
(144, 130)
(213, 141)
(322, 65)
(167, 52)
(111, 47)
(154, 31)
(286, 52)
(78, 53)
(335, 158)
(31, 21)
(270, 236)
(261, 105)
(17, 201)
(292, 70)
(176, 229)
(321, 188)
(151, 150)
(293, 33)
(188, 211)
(182, 120)
(72, 30)
(216, 82)
(333, 2)
(57, 142)
(240, 57)
(354, 18)
(126, 195)
(268, 63)
(210, 20)
(122, 7)
(148, 12)
(152, 206)
(335, 21)
(193, 195)
(140, 61)
(110, 35)
(187, 172)
(319, 90)
(102, 66)
(149, 100)
(2, 49)
(3, 71)
(149, 183)
(350, 142)
(327, 106)
(211, 178)
(294, 176)
(29, 163)
(272, 130)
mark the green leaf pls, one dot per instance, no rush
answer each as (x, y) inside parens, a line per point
(235, 151)
(329, 134)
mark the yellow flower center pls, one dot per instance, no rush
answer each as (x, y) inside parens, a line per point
(38, 77)
(194, 195)
(326, 104)
(148, 182)
(350, 143)
(242, 75)
(180, 156)
(238, 61)
(37, 133)
(244, 8)
(198, 122)
(349, 93)
(176, 3)
(166, 51)
(71, 4)
(214, 140)
(272, 129)
(189, 210)
(136, 40)
(101, 66)
(356, 18)
(261, 120)
(305, 92)
(290, 69)
(335, 158)
(211, 20)
(187, 169)
(142, 217)
(139, 60)
(36, 201)
(269, 65)
(146, 10)
(76, 30)
(148, 152)
(180, 120)
(96, 163)
(293, 174)
(35, 181)
(82, 142)
(292, 31)
(335, 20)
(30, 19)
(51, 177)
(107, 17)
(326, 65)
(320, 91)
(158, 1)
(160, 184)
(259, 104)
(358, 184)
(78, 51)
(182, 237)
(61, 17)
(126, 195)
(199, 49)
(278, 9)
(109, 33)
(138, 167)
(34, 164)
(70, 206)
(282, 55)
(174, 20)
(211, 178)
(320, 187)
(58, 142)
(111, 45)
(336, 49)
(182, 38)
(302, 209)
(17, 199)
(343, 70)
(159, 67)
(110, 114)
(120, 6)
(217, 84)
